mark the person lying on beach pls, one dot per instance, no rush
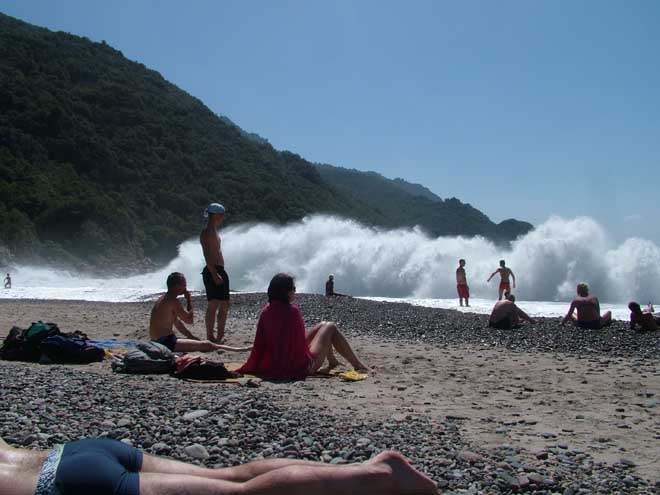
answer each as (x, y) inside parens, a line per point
(506, 315)
(588, 310)
(102, 466)
(168, 313)
(505, 273)
(282, 349)
(645, 319)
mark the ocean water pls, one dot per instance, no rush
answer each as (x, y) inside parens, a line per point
(400, 264)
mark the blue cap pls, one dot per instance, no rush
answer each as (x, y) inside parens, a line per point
(215, 208)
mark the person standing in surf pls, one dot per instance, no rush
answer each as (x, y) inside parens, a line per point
(216, 280)
(505, 273)
(461, 284)
(8, 281)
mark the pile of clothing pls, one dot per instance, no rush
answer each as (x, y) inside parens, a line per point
(154, 358)
(46, 343)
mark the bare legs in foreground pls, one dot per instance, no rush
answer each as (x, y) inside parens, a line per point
(325, 336)
(387, 473)
(216, 311)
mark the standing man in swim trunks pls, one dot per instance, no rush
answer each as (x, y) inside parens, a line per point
(588, 310)
(462, 285)
(505, 273)
(216, 280)
(168, 314)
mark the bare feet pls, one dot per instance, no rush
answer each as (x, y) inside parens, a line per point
(361, 368)
(407, 479)
(332, 363)
(215, 340)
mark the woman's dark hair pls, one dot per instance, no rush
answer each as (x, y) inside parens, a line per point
(634, 307)
(279, 288)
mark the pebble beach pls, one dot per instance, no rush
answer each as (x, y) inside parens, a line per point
(544, 409)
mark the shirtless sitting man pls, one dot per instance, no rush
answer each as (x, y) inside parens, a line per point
(506, 315)
(646, 320)
(168, 312)
(588, 310)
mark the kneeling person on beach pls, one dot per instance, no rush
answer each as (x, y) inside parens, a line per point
(506, 315)
(283, 349)
(588, 310)
(168, 313)
(102, 466)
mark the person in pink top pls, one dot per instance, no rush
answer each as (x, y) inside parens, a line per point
(283, 349)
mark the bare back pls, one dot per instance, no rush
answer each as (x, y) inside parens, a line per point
(505, 273)
(163, 316)
(588, 308)
(211, 246)
(503, 309)
(460, 276)
(19, 470)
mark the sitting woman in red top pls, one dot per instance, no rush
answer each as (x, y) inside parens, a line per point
(283, 349)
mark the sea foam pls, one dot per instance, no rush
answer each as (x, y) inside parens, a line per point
(400, 263)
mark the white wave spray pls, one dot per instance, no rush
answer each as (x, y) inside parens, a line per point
(406, 263)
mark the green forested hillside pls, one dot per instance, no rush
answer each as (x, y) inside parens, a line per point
(403, 203)
(102, 161)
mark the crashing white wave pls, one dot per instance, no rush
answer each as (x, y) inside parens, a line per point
(402, 263)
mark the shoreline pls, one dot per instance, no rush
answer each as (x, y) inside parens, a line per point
(471, 406)
(200, 296)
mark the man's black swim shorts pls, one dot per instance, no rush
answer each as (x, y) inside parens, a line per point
(99, 466)
(214, 291)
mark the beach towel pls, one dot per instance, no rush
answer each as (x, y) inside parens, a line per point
(353, 376)
(113, 344)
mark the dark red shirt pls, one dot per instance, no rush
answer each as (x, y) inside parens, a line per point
(280, 350)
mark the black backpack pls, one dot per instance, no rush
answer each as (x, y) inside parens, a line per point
(149, 358)
(25, 344)
(12, 347)
(69, 350)
(206, 370)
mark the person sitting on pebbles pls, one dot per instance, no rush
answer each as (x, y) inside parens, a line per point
(102, 466)
(168, 313)
(283, 349)
(645, 319)
(506, 315)
(588, 310)
(330, 287)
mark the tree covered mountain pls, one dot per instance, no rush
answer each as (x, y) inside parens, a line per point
(102, 161)
(403, 203)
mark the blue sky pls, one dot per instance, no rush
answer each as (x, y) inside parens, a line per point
(522, 108)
